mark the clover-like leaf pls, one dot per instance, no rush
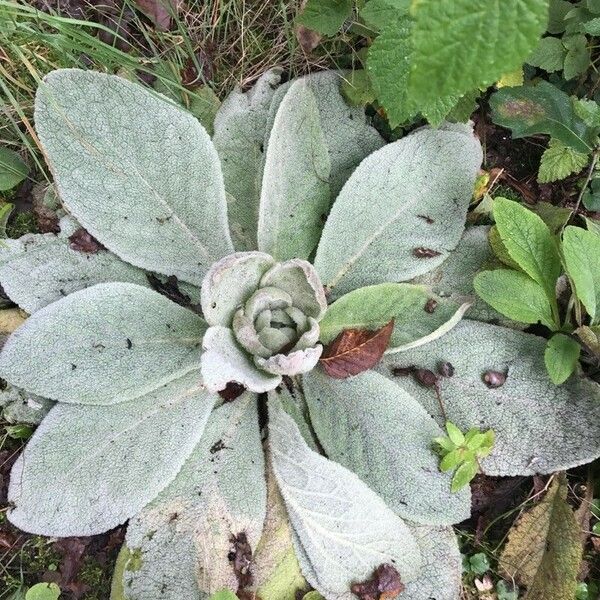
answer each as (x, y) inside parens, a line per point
(342, 529)
(240, 130)
(139, 173)
(88, 469)
(105, 343)
(415, 217)
(38, 269)
(377, 430)
(184, 537)
(500, 383)
(295, 192)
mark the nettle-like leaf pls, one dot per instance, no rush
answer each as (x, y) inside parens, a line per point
(88, 469)
(521, 411)
(342, 530)
(377, 430)
(118, 341)
(415, 217)
(38, 269)
(139, 173)
(182, 540)
(240, 130)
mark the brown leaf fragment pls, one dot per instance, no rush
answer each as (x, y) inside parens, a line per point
(240, 556)
(356, 350)
(543, 552)
(425, 253)
(82, 241)
(446, 369)
(384, 584)
(160, 12)
(430, 306)
(427, 219)
(426, 377)
(307, 38)
(232, 391)
(403, 371)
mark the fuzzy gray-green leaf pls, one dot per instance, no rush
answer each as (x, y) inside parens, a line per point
(139, 173)
(377, 430)
(240, 129)
(107, 462)
(416, 213)
(342, 529)
(295, 192)
(183, 538)
(521, 411)
(103, 345)
(38, 269)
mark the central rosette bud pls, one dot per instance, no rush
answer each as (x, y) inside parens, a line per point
(264, 320)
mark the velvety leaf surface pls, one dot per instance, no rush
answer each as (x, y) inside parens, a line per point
(371, 426)
(453, 279)
(348, 135)
(139, 173)
(355, 350)
(103, 345)
(240, 129)
(19, 406)
(38, 269)
(88, 469)
(440, 577)
(342, 529)
(295, 192)
(416, 312)
(543, 551)
(521, 412)
(183, 538)
(276, 571)
(416, 215)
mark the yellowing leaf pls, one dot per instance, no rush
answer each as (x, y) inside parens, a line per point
(511, 79)
(543, 552)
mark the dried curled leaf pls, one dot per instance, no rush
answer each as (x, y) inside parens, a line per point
(355, 351)
(543, 552)
(383, 585)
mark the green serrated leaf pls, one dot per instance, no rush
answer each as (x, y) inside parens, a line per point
(515, 295)
(455, 47)
(543, 108)
(558, 11)
(12, 169)
(530, 243)
(543, 551)
(578, 57)
(588, 110)
(325, 16)
(581, 250)
(549, 54)
(560, 161)
(592, 27)
(379, 13)
(500, 250)
(357, 88)
(561, 357)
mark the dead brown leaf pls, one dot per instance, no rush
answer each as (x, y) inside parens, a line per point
(384, 584)
(160, 12)
(356, 350)
(307, 38)
(82, 241)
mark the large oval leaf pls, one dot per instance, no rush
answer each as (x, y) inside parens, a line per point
(378, 431)
(102, 345)
(342, 530)
(540, 427)
(88, 469)
(295, 193)
(182, 540)
(36, 270)
(417, 191)
(139, 173)
(240, 130)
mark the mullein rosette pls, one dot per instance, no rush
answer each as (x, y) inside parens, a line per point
(247, 223)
